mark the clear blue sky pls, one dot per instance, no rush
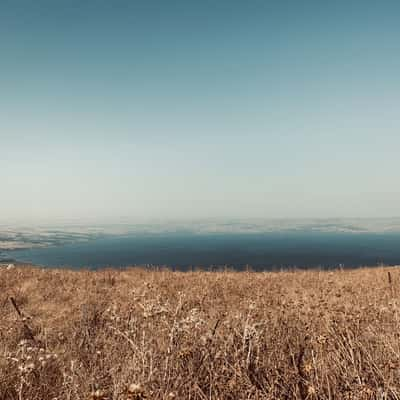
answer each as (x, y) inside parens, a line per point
(191, 109)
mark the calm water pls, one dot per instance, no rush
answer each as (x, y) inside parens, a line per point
(261, 251)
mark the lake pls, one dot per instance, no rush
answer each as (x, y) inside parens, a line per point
(262, 251)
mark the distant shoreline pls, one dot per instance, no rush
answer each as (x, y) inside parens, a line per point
(212, 269)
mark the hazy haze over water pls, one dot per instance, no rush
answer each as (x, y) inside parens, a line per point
(261, 251)
(262, 244)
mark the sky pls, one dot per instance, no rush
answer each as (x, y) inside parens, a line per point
(199, 109)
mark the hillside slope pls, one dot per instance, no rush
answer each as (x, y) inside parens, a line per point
(135, 334)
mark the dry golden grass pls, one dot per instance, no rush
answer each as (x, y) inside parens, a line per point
(136, 334)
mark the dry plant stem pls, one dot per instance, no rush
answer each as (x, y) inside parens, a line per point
(25, 325)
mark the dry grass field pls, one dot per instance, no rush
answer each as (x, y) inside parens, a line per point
(140, 334)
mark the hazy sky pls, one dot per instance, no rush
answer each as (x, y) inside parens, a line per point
(188, 109)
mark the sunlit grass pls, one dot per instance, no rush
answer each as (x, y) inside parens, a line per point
(140, 334)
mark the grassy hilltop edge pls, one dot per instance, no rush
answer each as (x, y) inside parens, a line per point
(158, 334)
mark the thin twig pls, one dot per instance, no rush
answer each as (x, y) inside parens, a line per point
(28, 330)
